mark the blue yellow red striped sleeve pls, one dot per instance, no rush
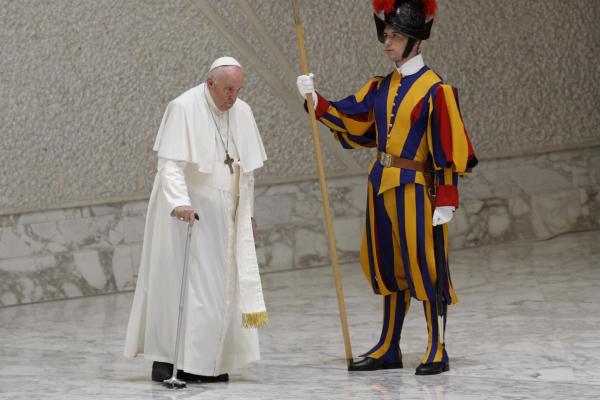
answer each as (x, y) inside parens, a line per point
(450, 146)
(449, 142)
(351, 119)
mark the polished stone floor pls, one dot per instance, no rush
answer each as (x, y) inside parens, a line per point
(527, 327)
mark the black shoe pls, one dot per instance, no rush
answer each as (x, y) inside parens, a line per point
(373, 364)
(161, 371)
(433, 368)
(212, 379)
(186, 376)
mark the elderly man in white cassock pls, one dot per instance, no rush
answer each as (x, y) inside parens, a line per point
(208, 149)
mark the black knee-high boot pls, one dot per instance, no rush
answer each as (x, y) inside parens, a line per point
(435, 360)
(386, 354)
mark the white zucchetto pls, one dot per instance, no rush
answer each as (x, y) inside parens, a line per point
(224, 61)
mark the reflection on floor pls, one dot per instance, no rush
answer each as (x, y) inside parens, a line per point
(527, 327)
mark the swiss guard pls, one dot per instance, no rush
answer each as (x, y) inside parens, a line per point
(413, 119)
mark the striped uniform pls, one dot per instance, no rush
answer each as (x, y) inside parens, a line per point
(415, 117)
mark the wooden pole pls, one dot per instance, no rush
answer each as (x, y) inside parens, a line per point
(324, 193)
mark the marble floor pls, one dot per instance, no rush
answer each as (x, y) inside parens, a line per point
(527, 327)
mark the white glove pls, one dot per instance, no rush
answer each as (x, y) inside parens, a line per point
(442, 215)
(305, 84)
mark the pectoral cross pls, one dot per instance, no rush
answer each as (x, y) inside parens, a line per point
(229, 161)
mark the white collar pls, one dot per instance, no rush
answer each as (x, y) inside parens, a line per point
(411, 66)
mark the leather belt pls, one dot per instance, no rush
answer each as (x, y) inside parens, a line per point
(388, 160)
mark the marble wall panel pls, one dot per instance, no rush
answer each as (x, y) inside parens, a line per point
(66, 275)
(528, 197)
(295, 228)
(69, 253)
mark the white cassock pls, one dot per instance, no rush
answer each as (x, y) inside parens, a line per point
(223, 276)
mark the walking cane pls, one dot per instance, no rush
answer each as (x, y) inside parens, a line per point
(325, 196)
(173, 382)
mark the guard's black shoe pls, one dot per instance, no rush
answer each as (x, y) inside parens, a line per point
(188, 377)
(161, 371)
(373, 364)
(433, 368)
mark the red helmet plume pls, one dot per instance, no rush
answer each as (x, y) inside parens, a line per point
(387, 6)
(429, 8)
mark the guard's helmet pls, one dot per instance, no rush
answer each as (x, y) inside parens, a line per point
(412, 18)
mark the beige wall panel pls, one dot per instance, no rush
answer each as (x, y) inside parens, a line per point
(84, 83)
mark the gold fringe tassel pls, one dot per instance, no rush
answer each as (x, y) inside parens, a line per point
(255, 320)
